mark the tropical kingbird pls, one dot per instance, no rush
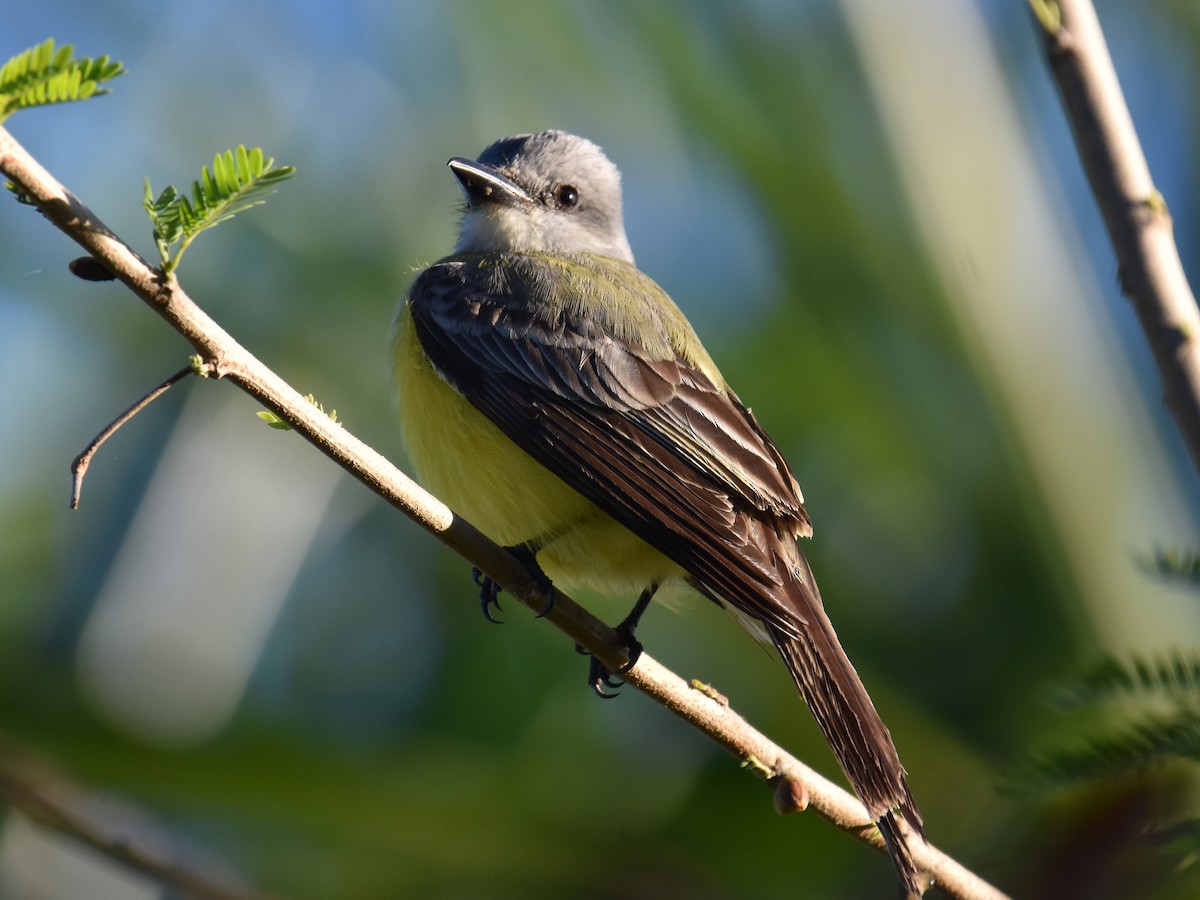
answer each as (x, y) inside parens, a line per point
(558, 399)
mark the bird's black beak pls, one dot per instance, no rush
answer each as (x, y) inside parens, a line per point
(485, 184)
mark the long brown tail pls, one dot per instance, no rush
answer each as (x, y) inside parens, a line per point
(847, 717)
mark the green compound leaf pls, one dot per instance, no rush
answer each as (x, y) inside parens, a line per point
(47, 74)
(238, 180)
(1133, 746)
(1172, 677)
(1174, 564)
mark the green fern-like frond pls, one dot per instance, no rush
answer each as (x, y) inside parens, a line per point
(1175, 677)
(1174, 564)
(238, 180)
(1128, 748)
(47, 74)
(1181, 839)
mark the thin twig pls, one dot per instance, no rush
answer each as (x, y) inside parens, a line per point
(1135, 213)
(79, 465)
(51, 801)
(225, 358)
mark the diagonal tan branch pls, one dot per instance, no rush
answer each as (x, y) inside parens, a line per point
(225, 358)
(1135, 213)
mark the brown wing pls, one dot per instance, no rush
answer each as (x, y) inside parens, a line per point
(654, 442)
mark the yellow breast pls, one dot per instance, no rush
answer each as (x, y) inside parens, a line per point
(465, 460)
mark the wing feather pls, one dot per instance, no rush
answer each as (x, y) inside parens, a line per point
(651, 440)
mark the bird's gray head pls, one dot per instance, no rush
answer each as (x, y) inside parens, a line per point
(550, 192)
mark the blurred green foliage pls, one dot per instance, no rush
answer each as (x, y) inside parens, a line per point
(387, 741)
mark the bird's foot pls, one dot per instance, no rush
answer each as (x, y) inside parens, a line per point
(600, 676)
(489, 590)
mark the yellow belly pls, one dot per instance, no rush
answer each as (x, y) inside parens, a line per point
(467, 462)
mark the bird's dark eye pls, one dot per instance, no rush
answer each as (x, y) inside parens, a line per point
(566, 196)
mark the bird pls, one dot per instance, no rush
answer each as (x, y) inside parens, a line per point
(556, 397)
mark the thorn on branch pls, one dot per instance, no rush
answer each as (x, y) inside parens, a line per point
(90, 269)
(80, 464)
(791, 796)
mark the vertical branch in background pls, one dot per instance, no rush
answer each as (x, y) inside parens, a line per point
(1135, 213)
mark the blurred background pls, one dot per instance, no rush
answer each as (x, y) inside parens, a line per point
(874, 216)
